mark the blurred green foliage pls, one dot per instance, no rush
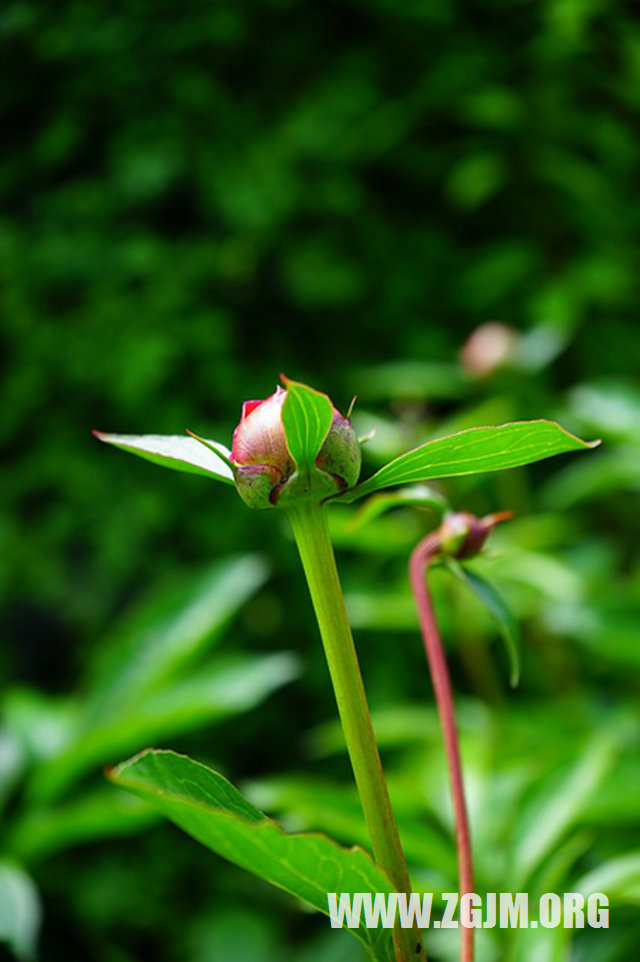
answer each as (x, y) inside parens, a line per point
(196, 197)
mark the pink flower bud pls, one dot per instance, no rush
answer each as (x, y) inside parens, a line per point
(259, 438)
(490, 347)
(264, 466)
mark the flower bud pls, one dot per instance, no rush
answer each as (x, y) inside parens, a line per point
(462, 535)
(266, 475)
(490, 347)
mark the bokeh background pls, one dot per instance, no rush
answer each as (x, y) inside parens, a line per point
(196, 197)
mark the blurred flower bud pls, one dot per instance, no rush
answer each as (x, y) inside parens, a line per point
(488, 348)
(266, 474)
(462, 535)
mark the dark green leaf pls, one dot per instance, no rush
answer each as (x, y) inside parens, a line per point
(174, 451)
(209, 808)
(498, 608)
(473, 451)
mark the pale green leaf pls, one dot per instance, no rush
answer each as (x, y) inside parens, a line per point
(557, 805)
(172, 628)
(410, 380)
(94, 816)
(418, 495)
(12, 763)
(41, 724)
(228, 687)
(619, 879)
(209, 808)
(142, 660)
(599, 477)
(174, 451)
(473, 451)
(19, 910)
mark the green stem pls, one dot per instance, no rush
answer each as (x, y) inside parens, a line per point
(310, 529)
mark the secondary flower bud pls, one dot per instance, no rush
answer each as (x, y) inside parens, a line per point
(462, 535)
(490, 347)
(266, 475)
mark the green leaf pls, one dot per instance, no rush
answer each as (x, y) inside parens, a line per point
(410, 380)
(419, 495)
(19, 910)
(209, 808)
(381, 609)
(472, 452)
(619, 878)
(40, 724)
(95, 816)
(227, 688)
(142, 683)
(334, 807)
(172, 628)
(306, 417)
(498, 608)
(557, 805)
(599, 477)
(174, 451)
(12, 763)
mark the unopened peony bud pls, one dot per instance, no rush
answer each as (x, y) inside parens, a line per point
(490, 347)
(462, 535)
(266, 474)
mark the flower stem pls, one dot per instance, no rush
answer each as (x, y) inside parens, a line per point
(310, 529)
(420, 560)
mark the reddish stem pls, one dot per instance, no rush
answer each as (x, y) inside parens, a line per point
(421, 558)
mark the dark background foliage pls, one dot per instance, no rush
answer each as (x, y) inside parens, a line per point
(198, 196)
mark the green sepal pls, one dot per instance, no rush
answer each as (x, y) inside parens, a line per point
(306, 418)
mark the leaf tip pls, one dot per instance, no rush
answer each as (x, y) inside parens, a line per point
(574, 437)
(114, 772)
